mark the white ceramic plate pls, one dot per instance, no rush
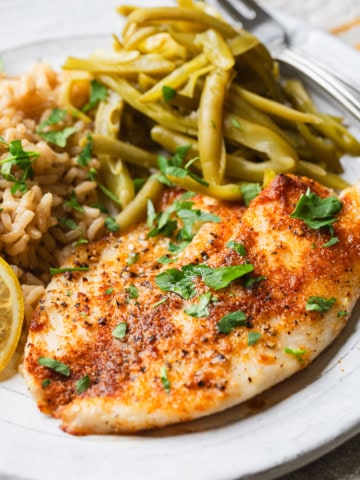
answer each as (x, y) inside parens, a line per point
(284, 428)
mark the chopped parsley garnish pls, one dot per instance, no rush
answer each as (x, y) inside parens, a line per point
(56, 116)
(86, 153)
(81, 241)
(320, 304)
(132, 291)
(111, 224)
(54, 271)
(120, 330)
(45, 383)
(176, 281)
(168, 93)
(132, 258)
(69, 223)
(54, 365)
(250, 191)
(82, 384)
(235, 123)
(331, 242)
(165, 259)
(160, 302)
(253, 337)
(164, 379)
(109, 291)
(20, 158)
(109, 193)
(73, 203)
(317, 212)
(100, 207)
(251, 281)
(200, 309)
(165, 222)
(92, 176)
(56, 137)
(221, 277)
(151, 214)
(238, 247)
(138, 183)
(230, 321)
(297, 353)
(342, 313)
(174, 167)
(191, 217)
(181, 281)
(176, 248)
(98, 93)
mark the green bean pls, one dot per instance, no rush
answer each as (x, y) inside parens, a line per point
(113, 172)
(322, 149)
(242, 43)
(117, 148)
(171, 140)
(229, 192)
(295, 90)
(187, 40)
(189, 88)
(236, 166)
(237, 105)
(339, 135)
(330, 127)
(160, 15)
(136, 210)
(157, 112)
(275, 108)
(175, 79)
(210, 136)
(138, 36)
(152, 63)
(282, 157)
(108, 115)
(260, 62)
(330, 180)
(216, 49)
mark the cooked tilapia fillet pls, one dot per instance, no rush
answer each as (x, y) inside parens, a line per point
(207, 371)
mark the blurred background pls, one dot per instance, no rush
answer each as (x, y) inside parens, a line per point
(339, 17)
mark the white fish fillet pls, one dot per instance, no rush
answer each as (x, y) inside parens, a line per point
(207, 371)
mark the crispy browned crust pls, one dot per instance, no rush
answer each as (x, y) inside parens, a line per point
(203, 364)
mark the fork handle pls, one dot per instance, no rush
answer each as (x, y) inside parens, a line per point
(347, 96)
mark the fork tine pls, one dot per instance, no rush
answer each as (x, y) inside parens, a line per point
(248, 12)
(252, 5)
(254, 19)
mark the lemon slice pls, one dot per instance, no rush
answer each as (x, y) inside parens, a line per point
(11, 312)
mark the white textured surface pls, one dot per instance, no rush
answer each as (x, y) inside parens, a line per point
(305, 416)
(325, 14)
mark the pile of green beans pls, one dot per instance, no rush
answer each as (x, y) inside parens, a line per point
(183, 76)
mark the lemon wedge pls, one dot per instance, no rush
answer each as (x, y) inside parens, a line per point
(11, 312)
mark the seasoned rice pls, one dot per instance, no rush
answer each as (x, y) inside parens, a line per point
(32, 237)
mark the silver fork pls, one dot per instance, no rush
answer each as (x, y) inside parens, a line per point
(255, 19)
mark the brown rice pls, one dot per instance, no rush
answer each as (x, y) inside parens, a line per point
(32, 239)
